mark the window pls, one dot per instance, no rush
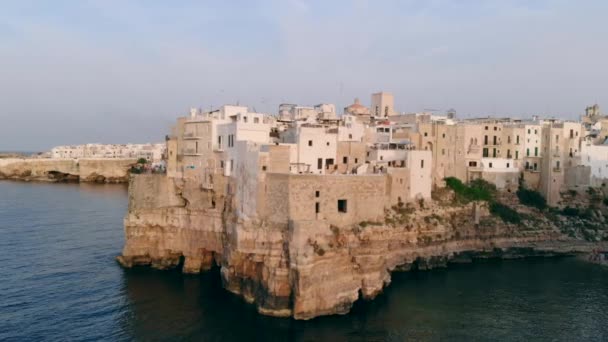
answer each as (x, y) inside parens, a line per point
(490, 165)
(422, 163)
(486, 128)
(256, 120)
(571, 133)
(443, 135)
(485, 140)
(386, 111)
(231, 164)
(516, 154)
(527, 152)
(320, 163)
(425, 134)
(222, 164)
(528, 131)
(328, 143)
(495, 140)
(495, 128)
(485, 152)
(472, 163)
(345, 160)
(317, 207)
(245, 119)
(342, 206)
(517, 140)
(527, 165)
(509, 139)
(381, 157)
(356, 160)
(350, 136)
(557, 164)
(508, 165)
(264, 168)
(309, 142)
(494, 152)
(317, 194)
(535, 166)
(535, 132)
(219, 141)
(377, 111)
(556, 138)
(443, 151)
(536, 151)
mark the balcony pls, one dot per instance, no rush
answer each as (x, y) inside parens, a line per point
(557, 169)
(191, 135)
(474, 149)
(191, 152)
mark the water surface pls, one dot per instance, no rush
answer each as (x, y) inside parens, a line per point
(59, 281)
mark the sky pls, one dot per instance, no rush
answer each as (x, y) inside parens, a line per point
(118, 71)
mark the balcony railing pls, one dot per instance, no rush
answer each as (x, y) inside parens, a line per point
(190, 151)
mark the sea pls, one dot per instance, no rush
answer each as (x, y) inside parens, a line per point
(59, 281)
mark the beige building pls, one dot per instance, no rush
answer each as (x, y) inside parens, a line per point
(383, 105)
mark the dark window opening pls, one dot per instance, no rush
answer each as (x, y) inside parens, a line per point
(345, 160)
(342, 206)
(317, 207)
(317, 193)
(309, 142)
(320, 163)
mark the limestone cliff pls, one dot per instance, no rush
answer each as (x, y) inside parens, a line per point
(66, 170)
(306, 269)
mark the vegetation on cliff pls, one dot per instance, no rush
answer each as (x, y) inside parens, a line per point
(531, 198)
(481, 190)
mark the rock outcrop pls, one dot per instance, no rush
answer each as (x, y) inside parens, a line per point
(307, 269)
(66, 170)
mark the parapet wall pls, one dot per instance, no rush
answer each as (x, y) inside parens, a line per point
(57, 170)
(316, 197)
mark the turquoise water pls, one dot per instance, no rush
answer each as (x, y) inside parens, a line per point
(59, 281)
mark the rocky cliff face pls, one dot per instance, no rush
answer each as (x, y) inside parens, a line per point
(308, 269)
(66, 170)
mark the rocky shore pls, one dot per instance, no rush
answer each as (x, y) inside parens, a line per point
(66, 170)
(309, 269)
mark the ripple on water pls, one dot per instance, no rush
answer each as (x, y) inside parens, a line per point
(60, 282)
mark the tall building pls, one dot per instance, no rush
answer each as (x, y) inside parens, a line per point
(383, 105)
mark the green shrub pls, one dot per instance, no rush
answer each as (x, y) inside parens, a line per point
(531, 198)
(142, 161)
(477, 190)
(506, 213)
(569, 211)
(605, 201)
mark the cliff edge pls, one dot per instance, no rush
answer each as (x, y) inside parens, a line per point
(309, 268)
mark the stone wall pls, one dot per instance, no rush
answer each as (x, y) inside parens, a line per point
(294, 197)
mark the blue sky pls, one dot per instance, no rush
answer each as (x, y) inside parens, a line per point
(122, 71)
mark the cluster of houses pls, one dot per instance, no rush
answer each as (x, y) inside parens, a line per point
(151, 152)
(411, 153)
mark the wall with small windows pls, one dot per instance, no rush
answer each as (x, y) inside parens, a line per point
(337, 199)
